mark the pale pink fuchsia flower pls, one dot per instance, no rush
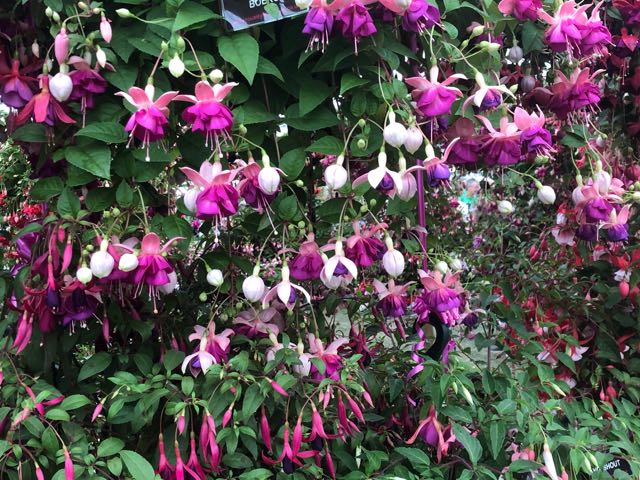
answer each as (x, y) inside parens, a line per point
(381, 177)
(503, 146)
(213, 348)
(218, 198)
(43, 107)
(433, 98)
(105, 28)
(285, 290)
(259, 323)
(392, 299)
(363, 247)
(338, 270)
(441, 295)
(209, 115)
(520, 9)
(328, 355)
(148, 122)
(434, 434)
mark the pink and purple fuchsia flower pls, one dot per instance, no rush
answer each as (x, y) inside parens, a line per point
(212, 194)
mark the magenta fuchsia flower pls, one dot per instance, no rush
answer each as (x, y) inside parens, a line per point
(15, 89)
(420, 16)
(209, 115)
(307, 264)
(212, 348)
(441, 295)
(87, 82)
(318, 23)
(355, 22)
(217, 197)
(534, 137)
(338, 270)
(148, 122)
(521, 9)
(467, 149)
(363, 248)
(328, 355)
(433, 98)
(503, 146)
(572, 31)
(392, 299)
(574, 93)
(291, 453)
(43, 107)
(431, 431)
(249, 186)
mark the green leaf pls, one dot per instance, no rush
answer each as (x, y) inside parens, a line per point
(191, 13)
(172, 359)
(328, 145)
(124, 194)
(68, 203)
(292, 163)
(109, 447)
(287, 208)
(93, 158)
(267, 67)
(186, 385)
(45, 188)
(72, 402)
(138, 467)
(350, 80)
(96, 364)
(416, 457)
(471, 444)
(320, 118)
(50, 440)
(107, 132)
(57, 414)
(531, 37)
(114, 465)
(242, 51)
(312, 94)
(31, 133)
(257, 474)
(521, 466)
(236, 460)
(497, 433)
(99, 199)
(253, 398)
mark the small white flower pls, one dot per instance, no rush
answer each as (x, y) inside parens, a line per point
(216, 75)
(61, 86)
(215, 277)
(190, 198)
(128, 262)
(84, 274)
(394, 133)
(546, 195)
(392, 260)
(414, 139)
(335, 176)
(506, 207)
(176, 66)
(253, 288)
(102, 263)
(101, 57)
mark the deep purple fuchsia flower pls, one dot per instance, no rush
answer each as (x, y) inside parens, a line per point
(392, 299)
(249, 186)
(534, 137)
(597, 209)
(153, 268)
(318, 23)
(442, 295)
(87, 83)
(307, 264)
(420, 16)
(15, 88)
(503, 146)
(355, 22)
(363, 247)
(574, 93)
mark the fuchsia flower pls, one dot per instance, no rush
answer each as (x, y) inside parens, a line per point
(308, 264)
(534, 137)
(338, 270)
(153, 268)
(381, 177)
(213, 348)
(432, 433)
(209, 115)
(574, 93)
(571, 30)
(208, 443)
(616, 225)
(434, 98)
(249, 186)
(486, 97)
(87, 82)
(285, 291)
(441, 295)
(15, 89)
(503, 146)
(392, 299)
(329, 356)
(217, 197)
(291, 453)
(259, 323)
(420, 16)
(318, 23)
(355, 21)
(521, 9)
(363, 248)
(148, 122)
(43, 107)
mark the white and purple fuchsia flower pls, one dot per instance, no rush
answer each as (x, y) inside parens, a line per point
(212, 348)
(433, 98)
(381, 177)
(151, 117)
(249, 186)
(285, 291)
(486, 97)
(208, 115)
(212, 195)
(534, 137)
(441, 295)
(338, 270)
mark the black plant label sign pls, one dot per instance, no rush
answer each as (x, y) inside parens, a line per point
(617, 464)
(241, 14)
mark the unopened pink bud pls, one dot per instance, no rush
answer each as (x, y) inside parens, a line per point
(105, 29)
(181, 423)
(66, 256)
(61, 46)
(276, 386)
(39, 474)
(68, 466)
(265, 431)
(227, 416)
(97, 411)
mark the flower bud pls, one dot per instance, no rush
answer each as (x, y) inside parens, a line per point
(55, 17)
(493, 47)
(84, 274)
(170, 286)
(335, 176)
(123, 13)
(83, 6)
(61, 86)
(61, 46)
(101, 57)
(269, 180)
(441, 267)
(105, 29)
(180, 44)
(393, 262)
(636, 197)
(403, 4)
(455, 264)
(506, 207)
(215, 278)
(242, 130)
(216, 75)
(413, 142)
(527, 83)
(128, 262)
(48, 12)
(515, 54)
(361, 143)
(176, 66)
(253, 288)
(190, 198)
(102, 262)
(546, 195)
(394, 133)
(35, 49)
(477, 30)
